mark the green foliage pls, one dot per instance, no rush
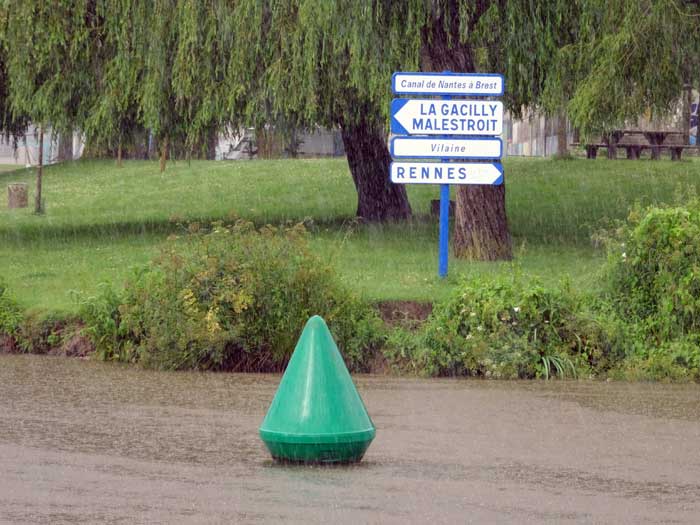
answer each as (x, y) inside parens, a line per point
(10, 312)
(508, 328)
(646, 326)
(205, 40)
(113, 119)
(654, 271)
(233, 298)
(100, 314)
(677, 361)
(187, 69)
(629, 57)
(13, 125)
(50, 49)
(401, 350)
(311, 61)
(653, 288)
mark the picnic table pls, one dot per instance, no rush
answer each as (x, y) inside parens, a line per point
(634, 141)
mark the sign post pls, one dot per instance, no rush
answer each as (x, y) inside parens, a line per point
(444, 241)
(450, 131)
(444, 235)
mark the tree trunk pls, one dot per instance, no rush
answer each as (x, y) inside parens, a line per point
(562, 138)
(65, 146)
(163, 153)
(481, 225)
(38, 207)
(378, 199)
(119, 154)
(212, 143)
(263, 140)
(687, 103)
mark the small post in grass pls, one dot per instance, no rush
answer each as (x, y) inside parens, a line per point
(17, 195)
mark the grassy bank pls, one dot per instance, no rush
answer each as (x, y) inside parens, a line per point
(102, 221)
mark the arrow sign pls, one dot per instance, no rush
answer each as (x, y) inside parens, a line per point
(446, 117)
(446, 173)
(456, 84)
(445, 148)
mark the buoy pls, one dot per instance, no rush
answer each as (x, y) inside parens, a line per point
(317, 415)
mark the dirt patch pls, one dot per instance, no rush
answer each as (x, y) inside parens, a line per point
(59, 337)
(75, 346)
(379, 365)
(405, 314)
(8, 344)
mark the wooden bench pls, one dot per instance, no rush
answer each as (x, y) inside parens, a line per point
(609, 142)
(676, 144)
(591, 148)
(636, 141)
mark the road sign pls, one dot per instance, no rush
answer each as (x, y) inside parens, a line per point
(445, 148)
(446, 117)
(473, 120)
(446, 173)
(456, 84)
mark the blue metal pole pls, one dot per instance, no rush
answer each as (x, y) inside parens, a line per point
(444, 229)
(444, 243)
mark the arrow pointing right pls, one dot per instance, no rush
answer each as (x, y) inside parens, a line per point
(447, 173)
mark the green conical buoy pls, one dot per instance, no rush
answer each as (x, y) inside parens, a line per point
(317, 414)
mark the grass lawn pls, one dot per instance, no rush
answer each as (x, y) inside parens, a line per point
(102, 221)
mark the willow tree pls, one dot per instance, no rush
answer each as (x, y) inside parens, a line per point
(113, 119)
(331, 63)
(317, 62)
(632, 55)
(204, 40)
(13, 125)
(186, 45)
(519, 39)
(157, 99)
(50, 66)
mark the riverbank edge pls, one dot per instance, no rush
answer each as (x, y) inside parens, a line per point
(64, 335)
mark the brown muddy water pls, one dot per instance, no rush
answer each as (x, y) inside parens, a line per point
(86, 442)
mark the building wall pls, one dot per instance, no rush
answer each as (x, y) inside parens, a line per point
(535, 135)
(319, 142)
(27, 151)
(531, 136)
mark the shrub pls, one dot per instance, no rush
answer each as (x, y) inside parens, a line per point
(10, 312)
(654, 271)
(100, 314)
(401, 350)
(233, 298)
(674, 361)
(506, 328)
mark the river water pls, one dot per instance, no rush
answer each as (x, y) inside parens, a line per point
(87, 442)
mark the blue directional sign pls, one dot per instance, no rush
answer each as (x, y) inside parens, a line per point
(450, 173)
(455, 84)
(446, 117)
(453, 130)
(446, 148)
